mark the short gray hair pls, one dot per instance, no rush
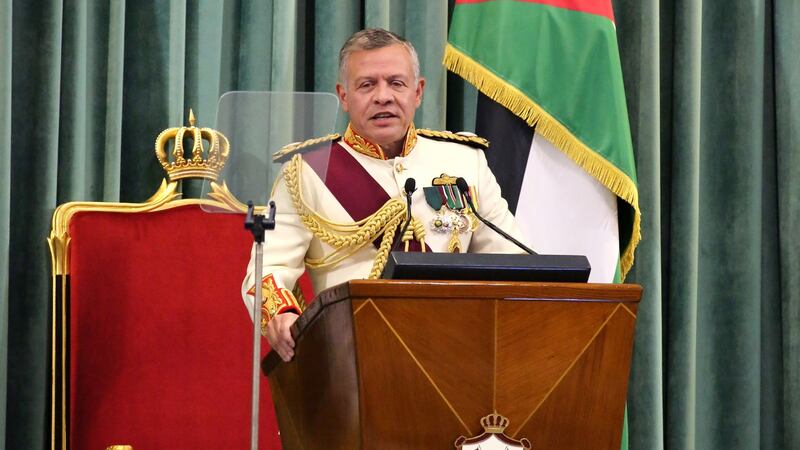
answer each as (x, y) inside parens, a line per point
(372, 39)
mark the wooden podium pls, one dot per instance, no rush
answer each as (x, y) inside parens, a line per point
(416, 364)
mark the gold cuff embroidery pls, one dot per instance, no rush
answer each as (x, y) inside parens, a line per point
(275, 300)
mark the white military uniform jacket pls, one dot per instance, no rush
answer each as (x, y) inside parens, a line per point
(291, 242)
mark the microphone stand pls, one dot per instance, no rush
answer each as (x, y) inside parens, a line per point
(409, 189)
(464, 188)
(408, 221)
(257, 224)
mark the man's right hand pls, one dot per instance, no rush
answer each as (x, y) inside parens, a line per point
(279, 334)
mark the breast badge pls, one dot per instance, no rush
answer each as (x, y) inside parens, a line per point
(453, 216)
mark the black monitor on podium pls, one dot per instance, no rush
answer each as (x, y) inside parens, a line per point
(487, 267)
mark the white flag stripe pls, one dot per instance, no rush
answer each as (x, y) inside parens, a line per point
(564, 210)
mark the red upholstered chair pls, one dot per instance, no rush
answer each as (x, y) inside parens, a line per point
(151, 340)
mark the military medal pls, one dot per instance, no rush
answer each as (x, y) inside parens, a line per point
(452, 214)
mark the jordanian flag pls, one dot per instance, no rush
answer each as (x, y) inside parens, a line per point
(553, 107)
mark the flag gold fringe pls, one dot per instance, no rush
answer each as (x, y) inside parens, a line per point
(554, 131)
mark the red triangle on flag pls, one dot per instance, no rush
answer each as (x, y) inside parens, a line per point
(598, 7)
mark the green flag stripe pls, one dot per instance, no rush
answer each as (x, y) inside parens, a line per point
(561, 59)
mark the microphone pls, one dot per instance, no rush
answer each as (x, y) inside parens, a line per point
(410, 187)
(464, 188)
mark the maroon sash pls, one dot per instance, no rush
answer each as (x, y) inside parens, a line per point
(352, 186)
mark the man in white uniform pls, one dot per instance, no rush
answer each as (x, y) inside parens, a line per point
(341, 201)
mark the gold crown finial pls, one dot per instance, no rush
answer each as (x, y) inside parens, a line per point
(494, 423)
(196, 166)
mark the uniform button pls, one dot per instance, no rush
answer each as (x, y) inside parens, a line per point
(399, 168)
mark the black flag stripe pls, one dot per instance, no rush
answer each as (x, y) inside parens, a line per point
(510, 142)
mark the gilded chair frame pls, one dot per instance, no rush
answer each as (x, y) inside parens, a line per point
(167, 197)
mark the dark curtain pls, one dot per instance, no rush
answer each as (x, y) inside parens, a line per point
(713, 96)
(714, 100)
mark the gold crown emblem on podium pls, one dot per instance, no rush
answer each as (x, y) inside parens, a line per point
(198, 165)
(494, 423)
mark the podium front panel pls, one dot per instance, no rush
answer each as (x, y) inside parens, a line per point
(416, 365)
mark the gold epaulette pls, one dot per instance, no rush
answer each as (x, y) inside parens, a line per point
(461, 138)
(285, 153)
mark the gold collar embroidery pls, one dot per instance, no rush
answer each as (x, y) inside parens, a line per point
(363, 146)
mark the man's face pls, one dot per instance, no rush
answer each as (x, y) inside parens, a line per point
(380, 94)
